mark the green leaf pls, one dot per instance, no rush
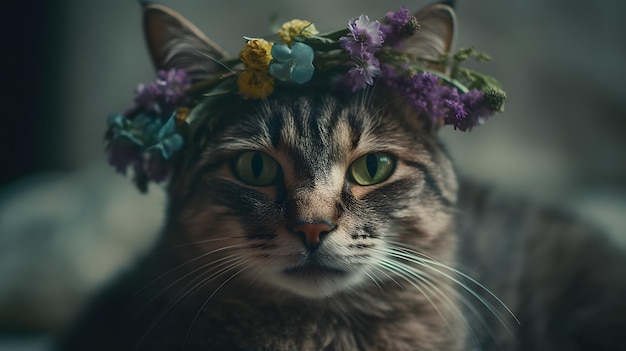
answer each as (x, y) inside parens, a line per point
(319, 43)
(335, 35)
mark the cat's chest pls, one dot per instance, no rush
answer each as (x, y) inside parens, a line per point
(233, 325)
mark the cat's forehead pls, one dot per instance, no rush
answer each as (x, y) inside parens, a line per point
(318, 123)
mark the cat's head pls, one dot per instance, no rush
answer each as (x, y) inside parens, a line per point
(310, 190)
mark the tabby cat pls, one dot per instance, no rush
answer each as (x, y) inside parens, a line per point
(321, 220)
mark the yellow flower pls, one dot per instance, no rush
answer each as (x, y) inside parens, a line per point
(255, 81)
(295, 28)
(256, 54)
(181, 115)
(255, 84)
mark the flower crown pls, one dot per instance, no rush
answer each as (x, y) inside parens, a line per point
(150, 132)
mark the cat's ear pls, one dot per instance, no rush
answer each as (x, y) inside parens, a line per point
(436, 34)
(174, 42)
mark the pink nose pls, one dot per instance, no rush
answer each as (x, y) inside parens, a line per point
(311, 233)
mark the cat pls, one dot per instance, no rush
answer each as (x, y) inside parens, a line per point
(354, 233)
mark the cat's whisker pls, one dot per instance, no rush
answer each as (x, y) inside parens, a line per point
(256, 272)
(380, 110)
(426, 279)
(419, 261)
(401, 271)
(213, 294)
(374, 280)
(225, 248)
(484, 302)
(388, 276)
(370, 93)
(199, 242)
(424, 260)
(359, 94)
(193, 289)
(399, 246)
(205, 55)
(424, 276)
(213, 265)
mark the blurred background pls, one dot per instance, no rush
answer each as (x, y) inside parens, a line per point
(68, 222)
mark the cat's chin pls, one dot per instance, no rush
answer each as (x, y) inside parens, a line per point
(314, 281)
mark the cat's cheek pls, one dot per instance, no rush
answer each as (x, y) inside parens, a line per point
(210, 231)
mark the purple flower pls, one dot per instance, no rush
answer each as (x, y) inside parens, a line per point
(162, 96)
(439, 101)
(398, 25)
(157, 168)
(364, 37)
(146, 96)
(122, 154)
(140, 177)
(399, 18)
(364, 40)
(455, 108)
(365, 69)
(173, 85)
(477, 108)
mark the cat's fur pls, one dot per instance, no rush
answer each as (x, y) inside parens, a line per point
(227, 273)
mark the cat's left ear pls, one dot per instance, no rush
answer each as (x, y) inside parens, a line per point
(436, 34)
(174, 42)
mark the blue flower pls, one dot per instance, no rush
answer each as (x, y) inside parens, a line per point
(295, 63)
(167, 140)
(122, 127)
(131, 139)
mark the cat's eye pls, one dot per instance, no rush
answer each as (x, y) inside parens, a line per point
(372, 168)
(256, 168)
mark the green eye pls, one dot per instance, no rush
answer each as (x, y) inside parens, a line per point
(371, 168)
(256, 168)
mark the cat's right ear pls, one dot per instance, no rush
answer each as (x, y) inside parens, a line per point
(174, 42)
(436, 34)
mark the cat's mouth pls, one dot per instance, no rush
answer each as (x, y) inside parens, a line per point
(313, 279)
(314, 270)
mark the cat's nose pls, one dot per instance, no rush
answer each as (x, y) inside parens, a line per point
(311, 234)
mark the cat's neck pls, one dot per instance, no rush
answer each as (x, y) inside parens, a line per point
(385, 318)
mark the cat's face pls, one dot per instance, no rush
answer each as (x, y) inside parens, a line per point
(304, 191)
(309, 193)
